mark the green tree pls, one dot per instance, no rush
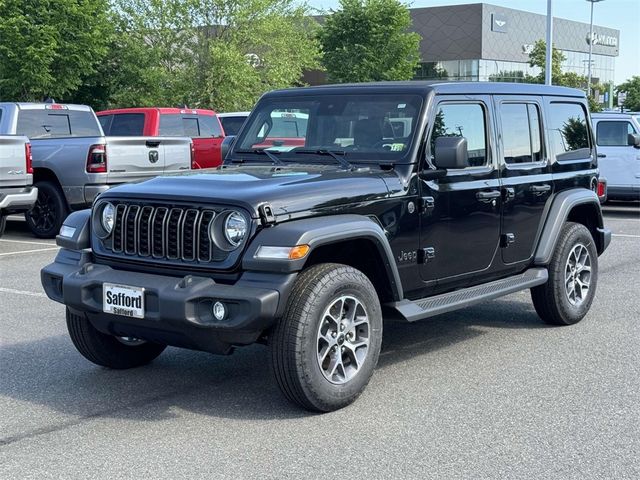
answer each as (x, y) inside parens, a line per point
(537, 58)
(48, 47)
(632, 88)
(220, 54)
(368, 40)
(575, 133)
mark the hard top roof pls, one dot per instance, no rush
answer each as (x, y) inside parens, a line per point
(424, 87)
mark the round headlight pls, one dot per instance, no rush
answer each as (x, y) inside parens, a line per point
(235, 228)
(108, 216)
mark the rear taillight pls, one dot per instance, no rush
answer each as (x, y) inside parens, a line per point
(602, 187)
(28, 158)
(97, 159)
(193, 156)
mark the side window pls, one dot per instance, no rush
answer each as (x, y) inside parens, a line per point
(105, 123)
(171, 126)
(613, 134)
(83, 124)
(463, 120)
(568, 131)
(191, 128)
(127, 125)
(209, 126)
(520, 132)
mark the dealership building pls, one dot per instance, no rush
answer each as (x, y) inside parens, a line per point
(483, 42)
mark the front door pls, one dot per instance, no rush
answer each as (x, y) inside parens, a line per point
(526, 174)
(460, 222)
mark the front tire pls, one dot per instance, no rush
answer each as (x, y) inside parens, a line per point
(107, 350)
(573, 276)
(326, 346)
(50, 210)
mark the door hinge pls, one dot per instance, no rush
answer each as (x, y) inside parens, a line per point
(266, 214)
(426, 254)
(427, 204)
(507, 239)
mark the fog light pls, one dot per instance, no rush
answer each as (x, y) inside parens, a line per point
(219, 311)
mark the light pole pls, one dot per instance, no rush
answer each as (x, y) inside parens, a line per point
(548, 59)
(590, 46)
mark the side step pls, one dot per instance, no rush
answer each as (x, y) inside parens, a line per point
(447, 302)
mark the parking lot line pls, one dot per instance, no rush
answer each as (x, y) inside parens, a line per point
(29, 251)
(24, 241)
(626, 235)
(22, 292)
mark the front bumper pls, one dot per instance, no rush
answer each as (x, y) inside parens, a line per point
(18, 199)
(177, 309)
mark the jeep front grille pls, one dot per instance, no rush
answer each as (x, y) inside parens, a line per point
(168, 233)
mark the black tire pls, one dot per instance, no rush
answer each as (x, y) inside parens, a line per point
(552, 300)
(294, 341)
(3, 223)
(107, 350)
(50, 210)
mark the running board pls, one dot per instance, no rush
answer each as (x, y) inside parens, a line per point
(428, 307)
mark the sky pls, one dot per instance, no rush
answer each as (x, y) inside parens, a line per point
(623, 15)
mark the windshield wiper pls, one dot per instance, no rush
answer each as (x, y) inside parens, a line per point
(322, 151)
(259, 151)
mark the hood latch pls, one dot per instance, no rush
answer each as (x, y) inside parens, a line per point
(266, 214)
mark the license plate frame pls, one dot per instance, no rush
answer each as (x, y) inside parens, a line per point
(114, 300)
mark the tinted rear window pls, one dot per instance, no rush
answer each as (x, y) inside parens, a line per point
(127, 125)
(190, 125)
(171, 126)
(232, 125)
(57, 123)
(209, 126)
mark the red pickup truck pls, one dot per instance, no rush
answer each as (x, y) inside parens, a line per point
(201, 125)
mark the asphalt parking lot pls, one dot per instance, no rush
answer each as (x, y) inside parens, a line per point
(487, 392)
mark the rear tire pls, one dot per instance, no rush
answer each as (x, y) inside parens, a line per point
(107, 350)
(3, 224)
(326, 346)
(50, 210)
(573, 276)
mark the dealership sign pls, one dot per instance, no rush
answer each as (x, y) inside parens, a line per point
(602, 39)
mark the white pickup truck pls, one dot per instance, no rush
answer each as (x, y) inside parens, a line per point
(17, 193)
(73, 161)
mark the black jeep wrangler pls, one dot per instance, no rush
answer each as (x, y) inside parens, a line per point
(338, 206)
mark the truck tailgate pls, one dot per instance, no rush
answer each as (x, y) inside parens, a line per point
(137, 158)
(13, 166)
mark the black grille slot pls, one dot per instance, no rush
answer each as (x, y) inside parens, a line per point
(177, 234)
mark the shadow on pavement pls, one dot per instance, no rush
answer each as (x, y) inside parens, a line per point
(51, 373)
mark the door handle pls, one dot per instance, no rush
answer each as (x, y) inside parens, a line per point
(540, 188)
(602, 155)
(487, 197)
(152, 143)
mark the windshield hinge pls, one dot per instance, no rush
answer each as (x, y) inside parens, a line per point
(266, 214)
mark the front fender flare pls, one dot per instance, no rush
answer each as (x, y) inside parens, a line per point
(318, 231)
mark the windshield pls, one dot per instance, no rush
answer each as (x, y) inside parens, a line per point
(373, 127)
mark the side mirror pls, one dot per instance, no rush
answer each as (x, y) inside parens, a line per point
(226, 145)
(451, 152)
(634, 140)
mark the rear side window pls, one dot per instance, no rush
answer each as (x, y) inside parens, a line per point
(521, 132)
(171, 125)
(613, 134)
(232, 125)
(127, 125)
(58, 123)
(568, 131)
(105, 123)
(209, 126)
(463, 120)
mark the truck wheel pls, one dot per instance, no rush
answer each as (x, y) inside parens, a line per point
(3, 223)
(107, 350)
(573, 276)
(325, 347)
(50, 210)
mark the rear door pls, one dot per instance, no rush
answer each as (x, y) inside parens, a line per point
(618, 161)
(526, 174)
(211, 136)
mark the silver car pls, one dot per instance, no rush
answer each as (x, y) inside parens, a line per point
(17, 194)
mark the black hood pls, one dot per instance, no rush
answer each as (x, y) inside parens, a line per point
(288, 189)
